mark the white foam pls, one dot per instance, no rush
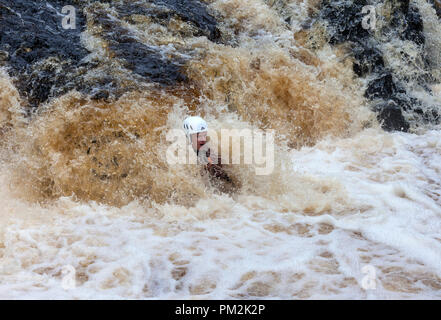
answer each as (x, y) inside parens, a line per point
(225, 249)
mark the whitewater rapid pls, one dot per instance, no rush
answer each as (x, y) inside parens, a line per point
(248, 248)
(90, 208)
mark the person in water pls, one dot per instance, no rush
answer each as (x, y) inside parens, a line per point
(196, 131)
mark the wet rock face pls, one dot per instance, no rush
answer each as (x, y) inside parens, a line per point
(344, 21)
(408, 19)
(391, 117)
(191, 11)
(368, 59)
(32, 33)
(383, 87)
(47, 60)
(138, 57)
(195, 12)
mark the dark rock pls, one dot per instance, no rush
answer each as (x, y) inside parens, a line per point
(192, 11)
(46, 60)
(437, 5)
(383, 87)
(407, 22)
(344, 24)
(345, 20)
(406, 102)
(148, 63)
(391, 117)
(138, 57)
(401, 5)
(101, 95)
(414, 27)
(31, 33)
(195, 12)
(368, 59)
(431, 115)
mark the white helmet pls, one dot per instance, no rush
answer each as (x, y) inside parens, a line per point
(194, 125)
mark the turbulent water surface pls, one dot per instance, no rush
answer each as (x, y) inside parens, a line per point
(90, 208)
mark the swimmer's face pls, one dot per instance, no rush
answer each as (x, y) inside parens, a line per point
(198, 140)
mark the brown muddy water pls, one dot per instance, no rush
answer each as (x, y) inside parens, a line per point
(87, 194)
